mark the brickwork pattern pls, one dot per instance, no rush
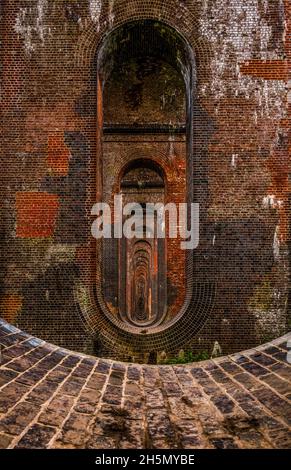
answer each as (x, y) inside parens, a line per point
(240, 173)
(54, 398)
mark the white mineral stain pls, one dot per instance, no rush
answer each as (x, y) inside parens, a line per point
(205, 6)
(171, 147)
(217, 350)
(111, 15)
(276, 243)
(24, 30)
(289, 92)
(237, 32)
(95, 7)
(30, 24)
(269, 201)
(41, 11)
(234, 160)
(266, 5)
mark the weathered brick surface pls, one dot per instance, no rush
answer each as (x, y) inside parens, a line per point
(36, 214)
(54, 157)
(83, 402)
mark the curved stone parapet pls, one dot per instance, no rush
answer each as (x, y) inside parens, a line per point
(125, 338)
(54, 398)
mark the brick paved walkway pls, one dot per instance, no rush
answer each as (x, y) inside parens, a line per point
(53, 398)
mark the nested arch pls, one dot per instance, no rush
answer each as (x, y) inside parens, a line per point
(152, 164)
(126, 11)
(142, 265)
(115, 332)
(145, 77)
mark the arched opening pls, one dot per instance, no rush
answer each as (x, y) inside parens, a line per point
(142, 270)
(144, 133)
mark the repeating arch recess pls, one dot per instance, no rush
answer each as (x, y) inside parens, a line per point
(138, 39)
(199, 299)
(142, 292)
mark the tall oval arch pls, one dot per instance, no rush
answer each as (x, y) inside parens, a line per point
(99, 312)
(145, 86)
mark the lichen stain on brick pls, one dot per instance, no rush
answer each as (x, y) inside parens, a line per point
(58, 155)
(10, 306)
(36, 214)
(263, 296)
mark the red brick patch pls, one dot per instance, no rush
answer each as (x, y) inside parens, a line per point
(10, 305)
(268, 69)
(36, 214)
(58, 155)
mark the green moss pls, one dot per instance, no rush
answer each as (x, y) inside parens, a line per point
(268, 337)
(263, 297)
(187, 357)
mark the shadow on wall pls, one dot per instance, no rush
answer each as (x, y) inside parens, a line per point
(239, 254)
(49, 310)
(289, 252)
(72, 192)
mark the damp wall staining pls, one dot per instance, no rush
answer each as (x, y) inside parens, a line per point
(239, 31)
(95, 7)
(31, 24)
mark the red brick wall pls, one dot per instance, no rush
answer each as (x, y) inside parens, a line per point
(241, 161)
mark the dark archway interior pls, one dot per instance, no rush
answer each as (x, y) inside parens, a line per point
(144, 69)
(143, 270)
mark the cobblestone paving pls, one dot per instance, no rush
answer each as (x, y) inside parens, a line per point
(53, 398)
